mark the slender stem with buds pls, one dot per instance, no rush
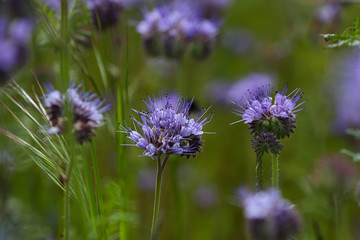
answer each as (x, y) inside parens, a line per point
(259, 172)
(275, 171)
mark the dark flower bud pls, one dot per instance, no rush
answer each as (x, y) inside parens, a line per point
(265, 142)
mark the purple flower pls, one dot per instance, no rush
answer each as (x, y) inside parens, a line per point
(172, 27)
(348, 97)
(328, 12)
(166, 127)
(105, 13)
(269, 216)
(88, 112)
(14, 40)
(53, 102)
(263, 114)
(248, 84)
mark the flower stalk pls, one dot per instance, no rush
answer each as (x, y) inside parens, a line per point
(160, 169)
(275, 171)
(259, 173)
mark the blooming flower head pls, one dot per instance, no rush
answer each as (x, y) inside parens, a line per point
(269, 216)
(263, 114)
(88, 112)
(166, 127)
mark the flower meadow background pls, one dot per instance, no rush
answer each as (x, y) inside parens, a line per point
(258, 43)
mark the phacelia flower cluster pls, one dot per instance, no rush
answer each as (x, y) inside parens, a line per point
(269, 216)
(14, 40)
(166, 127)
(86, 108)
(275, 117)
(172, 28)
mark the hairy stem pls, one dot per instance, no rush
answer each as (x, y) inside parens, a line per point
(275, 171)
(259, 172)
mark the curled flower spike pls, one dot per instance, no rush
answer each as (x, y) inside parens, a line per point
(269, 216)
(88, 112)
(265, 142)
(166, 127)
(263, 114)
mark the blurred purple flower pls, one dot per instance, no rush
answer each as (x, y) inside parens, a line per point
(105, 13)
(88, 112)
(328, 12)
(348, 97)
(334, 173)
(269, 216)
(170, 28)
(239, 41)
(167, 128)
(205, 196)
(53, 103)
(225, 93)
(244, 87)
(14, 40)
(146, 179)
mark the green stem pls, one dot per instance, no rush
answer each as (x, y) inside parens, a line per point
(121, 155)
(259, 172)
(64, 42)
(275, 171)
(67, 200)
(89, 190)
(98, 192)
(154, 225)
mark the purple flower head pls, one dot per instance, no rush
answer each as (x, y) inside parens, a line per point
(166, 127)
(247, 85)
(54, 104)
(328, 13)
(14, 39)
(205, 196)
(105, 13)
(269, 216)
(348, 97)
(174, 26)
(87, 110)
(263, 113)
